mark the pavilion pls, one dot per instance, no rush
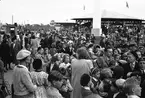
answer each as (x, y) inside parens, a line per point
(110, 18)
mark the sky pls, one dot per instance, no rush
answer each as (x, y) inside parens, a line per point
(43, 11)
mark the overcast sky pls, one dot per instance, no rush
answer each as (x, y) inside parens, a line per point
(43, 11)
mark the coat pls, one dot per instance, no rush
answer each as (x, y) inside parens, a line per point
(88, 94)
(127, 69)
(55, 67)
(79, 67)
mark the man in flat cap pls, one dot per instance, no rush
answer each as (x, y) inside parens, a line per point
(22, 83)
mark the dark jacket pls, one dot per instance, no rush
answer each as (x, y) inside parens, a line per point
(88, 94)
(127, 69)
(55, 67)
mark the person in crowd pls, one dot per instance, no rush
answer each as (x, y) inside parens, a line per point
(133, 46)
(96, 50)
(5, 52)
(34, 43)
(66, 88)
(142, 50)
(63, 49)
(141, 74)
(81, 65)
(117, 60)
(47, 56)
(22, 82)
(118, 72)
(87, 84)
(104, 61)
(105, 85)
(2, 69)
(131, 66)
(95, 75)
(56, 80)
(120, 86)
(15, 48)
(65, 62)
(27, 41)
(39, 78)
(115, 52)
(138, 54)
(53, 49)
(132, 88)
(39, 55)
(70, 49)
(53, 65)
(90, 50)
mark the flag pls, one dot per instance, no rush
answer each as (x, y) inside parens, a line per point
(127, 5)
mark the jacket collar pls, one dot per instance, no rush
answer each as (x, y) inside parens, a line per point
(133, 96)
(22, 66)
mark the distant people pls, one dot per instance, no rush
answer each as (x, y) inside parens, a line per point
(5, 52)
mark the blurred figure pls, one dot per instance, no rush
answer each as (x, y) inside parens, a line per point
(132, 88)
(5, 52)
(80, 66)
(56, 80)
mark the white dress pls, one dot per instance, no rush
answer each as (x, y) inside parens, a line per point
(40, 79)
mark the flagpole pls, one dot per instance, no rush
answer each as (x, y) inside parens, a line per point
(12, 19)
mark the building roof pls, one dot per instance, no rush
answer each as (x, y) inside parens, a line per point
(108, 15)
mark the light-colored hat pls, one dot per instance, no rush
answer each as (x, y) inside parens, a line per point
(120, 82)
(70, 42)
(23, 54)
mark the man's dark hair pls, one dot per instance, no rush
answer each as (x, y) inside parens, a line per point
(85, 79)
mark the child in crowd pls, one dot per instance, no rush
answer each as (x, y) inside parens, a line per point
(39, 78)
(95, 73)
(87, 84)
(65, 62)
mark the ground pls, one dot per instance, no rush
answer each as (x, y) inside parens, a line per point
(8, 78)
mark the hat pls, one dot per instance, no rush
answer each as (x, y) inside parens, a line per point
(23, 54)
(120, 82)
(70, 42)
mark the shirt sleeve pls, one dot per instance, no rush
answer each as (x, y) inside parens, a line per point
(90, 63)
(26, 80)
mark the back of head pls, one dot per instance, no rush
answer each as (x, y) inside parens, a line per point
(55, 76)
(85, 79)
(83, 53)
(37, 64)
(105, 73)
(129, 85)
(118, 72)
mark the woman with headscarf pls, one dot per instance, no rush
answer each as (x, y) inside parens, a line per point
(80, 66)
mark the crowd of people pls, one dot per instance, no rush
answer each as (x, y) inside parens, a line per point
(69, 64)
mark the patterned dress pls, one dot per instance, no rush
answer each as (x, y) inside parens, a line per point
(40, 79)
